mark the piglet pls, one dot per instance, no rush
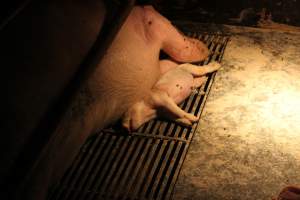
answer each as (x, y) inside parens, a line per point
(175, 84)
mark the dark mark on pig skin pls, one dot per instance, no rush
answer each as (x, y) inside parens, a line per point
(177, 85)
(85, 100)
(150, 22)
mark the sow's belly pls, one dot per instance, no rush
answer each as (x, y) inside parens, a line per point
(130, 67)
(127, 78)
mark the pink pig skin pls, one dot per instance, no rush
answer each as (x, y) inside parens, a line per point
(125, 76)
(175, 84)
(131, 66)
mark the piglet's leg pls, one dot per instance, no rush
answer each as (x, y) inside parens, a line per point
(197, 82)
(163, 100)
(175, 44)
(183, 121)
(138, 114)
(200, 70)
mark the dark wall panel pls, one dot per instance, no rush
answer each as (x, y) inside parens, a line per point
(282, 11)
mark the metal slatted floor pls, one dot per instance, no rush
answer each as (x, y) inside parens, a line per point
(144, 164)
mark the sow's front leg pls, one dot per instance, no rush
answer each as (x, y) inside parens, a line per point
(179, 47)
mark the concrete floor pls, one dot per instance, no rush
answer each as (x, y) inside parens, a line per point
(247, 145)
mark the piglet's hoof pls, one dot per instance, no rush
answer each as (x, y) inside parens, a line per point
(214, 65)
(187, 121)
(184, 122)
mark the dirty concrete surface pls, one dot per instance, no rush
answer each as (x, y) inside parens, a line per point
(247, 145)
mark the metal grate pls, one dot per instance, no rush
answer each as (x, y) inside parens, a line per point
(143, 165)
